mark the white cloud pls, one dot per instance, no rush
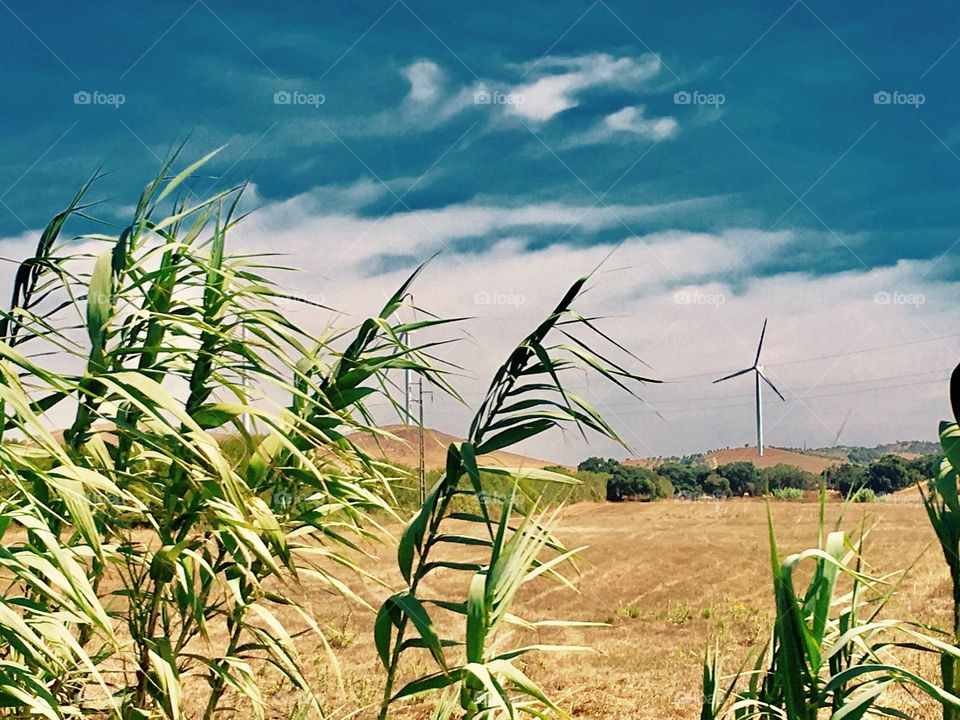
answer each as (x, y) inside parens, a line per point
(628, 123)
(632, 120)
(557, 84)
(426, 81)
(554, 92)
(341, 235)
(666, 295)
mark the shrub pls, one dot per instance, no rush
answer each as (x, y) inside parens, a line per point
(864, 495)
(787, 476)
(665, 488)
(682, 477)
(716, 485)
(788, 493)
(633, 482)
(889, 474)
(925, 467)
(744, 477)
(846, 478)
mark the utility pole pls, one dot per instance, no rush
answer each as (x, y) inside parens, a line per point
(405, 339)
(423, 469)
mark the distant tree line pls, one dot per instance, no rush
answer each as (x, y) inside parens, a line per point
(886, 474)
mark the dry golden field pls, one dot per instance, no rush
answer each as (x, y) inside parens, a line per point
(666, 576)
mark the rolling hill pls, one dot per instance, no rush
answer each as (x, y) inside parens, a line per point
(406, 449)
(771, 456)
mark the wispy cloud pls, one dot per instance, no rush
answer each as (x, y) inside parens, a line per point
(630, 123)
(562, 81)
(558, 84)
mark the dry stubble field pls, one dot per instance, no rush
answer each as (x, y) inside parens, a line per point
(667, 576)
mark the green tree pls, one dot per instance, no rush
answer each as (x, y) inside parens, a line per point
(889, 474)
(925, 467)
(682, 477)
(630, 481)
(787, 476)
(716, 485)
(846, 478)
(598, 464)
(744, 477)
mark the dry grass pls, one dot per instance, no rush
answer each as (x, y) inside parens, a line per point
(666, 576)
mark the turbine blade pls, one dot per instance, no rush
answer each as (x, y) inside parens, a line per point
(760, 346)
(733, 375)
(767, 381)
(836, 440)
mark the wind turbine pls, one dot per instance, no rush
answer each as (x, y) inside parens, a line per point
(757, 368)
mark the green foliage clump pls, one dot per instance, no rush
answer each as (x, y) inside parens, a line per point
(598, 465)
(828, 653)
(630, 482)
(717, 485)
(884, 475)
(846, 478)
(682, 477)
(787, 493)
(744, 478)
(864, 495)
(787, 476)
(889, 474)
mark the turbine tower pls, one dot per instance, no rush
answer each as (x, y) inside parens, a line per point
(757, 369)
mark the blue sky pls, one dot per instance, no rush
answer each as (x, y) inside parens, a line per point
(797, 160)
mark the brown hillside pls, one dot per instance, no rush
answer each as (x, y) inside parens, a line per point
(640, 462)
(406, 449)
(771, 456)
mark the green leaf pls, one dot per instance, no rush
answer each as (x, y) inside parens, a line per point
(477, 612)
(412, 608)
(99, 304)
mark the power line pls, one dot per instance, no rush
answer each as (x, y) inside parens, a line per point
(670, 411)
(794, 398)
(832, 356)
(815, 387)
